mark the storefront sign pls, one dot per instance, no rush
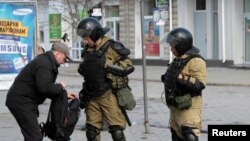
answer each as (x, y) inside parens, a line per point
(152, 35)
(55, 27)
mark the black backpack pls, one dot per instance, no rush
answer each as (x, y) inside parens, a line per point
(62, 118)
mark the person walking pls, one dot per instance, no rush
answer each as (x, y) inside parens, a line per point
(184, 81)
(105, 68)
(35, 83)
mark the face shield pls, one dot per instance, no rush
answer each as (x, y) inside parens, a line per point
(173, 40)
(169, 40)
(163, 41)
(83, 32)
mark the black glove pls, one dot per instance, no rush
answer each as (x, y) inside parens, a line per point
(84, 99)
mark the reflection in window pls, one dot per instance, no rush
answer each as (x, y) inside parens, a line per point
(148, 7)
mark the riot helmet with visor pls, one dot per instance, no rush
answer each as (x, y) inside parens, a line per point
(181, 39)
(90, 27)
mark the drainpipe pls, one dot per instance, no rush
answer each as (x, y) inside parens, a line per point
(223, 31)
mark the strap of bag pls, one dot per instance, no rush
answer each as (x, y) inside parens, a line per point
(186, 60)
(103, 49)
(42, 124)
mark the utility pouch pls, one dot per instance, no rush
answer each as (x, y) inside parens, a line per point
(183, 102)
(125, 98)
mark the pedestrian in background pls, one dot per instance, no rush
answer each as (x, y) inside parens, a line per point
(35, 83)
(40, 50)
(104, 60)
(184, 81)
(65, 40)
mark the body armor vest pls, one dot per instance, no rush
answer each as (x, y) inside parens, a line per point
(94, 73)
(173, 72)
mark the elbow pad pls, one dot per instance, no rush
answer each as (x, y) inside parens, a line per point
(190, 87)
(114, 69)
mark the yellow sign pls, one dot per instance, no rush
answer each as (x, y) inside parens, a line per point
(8, 27)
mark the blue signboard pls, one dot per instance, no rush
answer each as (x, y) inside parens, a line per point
(17, 38)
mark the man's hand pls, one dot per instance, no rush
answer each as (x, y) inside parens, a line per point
(71, 95)
(63, 84)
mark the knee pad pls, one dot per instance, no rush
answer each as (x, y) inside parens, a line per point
(175, 137)
(91, 132)
(117, 133)
(188, 134)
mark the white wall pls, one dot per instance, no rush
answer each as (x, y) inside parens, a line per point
(229, 28)
(234, 38)
(209, 29)
(234, 34)
(220, 28)
(186, 14)
(138, 41)
(238, 32)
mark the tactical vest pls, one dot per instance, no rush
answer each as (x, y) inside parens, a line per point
(94, 73)
(173, 71)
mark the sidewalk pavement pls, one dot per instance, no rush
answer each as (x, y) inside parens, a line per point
(225, 104)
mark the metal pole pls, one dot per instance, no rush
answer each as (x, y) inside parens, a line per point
(146, 122)
(170, 27)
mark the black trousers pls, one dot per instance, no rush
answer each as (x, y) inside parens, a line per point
(28, 123)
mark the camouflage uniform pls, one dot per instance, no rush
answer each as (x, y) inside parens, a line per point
(184, 81)
(105, 104)
(191, 117)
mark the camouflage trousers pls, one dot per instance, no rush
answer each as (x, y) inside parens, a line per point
(104, 106)
(190, 117)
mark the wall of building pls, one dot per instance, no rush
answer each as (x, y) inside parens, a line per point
(127, 24)
(234, 34)
(238, 31)
(183, 16)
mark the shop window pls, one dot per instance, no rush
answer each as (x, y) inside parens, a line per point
(200, 4)
(148, 7)
(112, 11)
(247, 6)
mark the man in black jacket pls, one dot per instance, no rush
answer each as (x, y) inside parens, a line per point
(33, 85)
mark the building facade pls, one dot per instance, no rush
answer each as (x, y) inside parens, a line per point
(220, 28)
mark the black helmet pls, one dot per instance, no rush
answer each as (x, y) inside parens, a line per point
(181, 39)
(90, 27)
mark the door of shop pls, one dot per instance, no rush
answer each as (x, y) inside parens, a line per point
(200, 27)
(200, 32)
